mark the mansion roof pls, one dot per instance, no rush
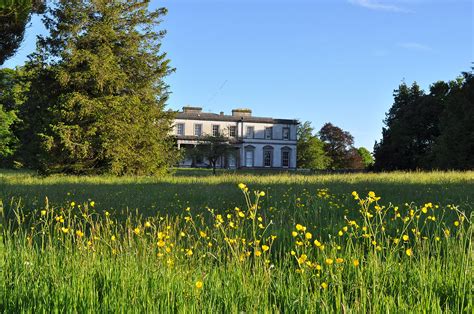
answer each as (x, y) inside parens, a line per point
(235, 117)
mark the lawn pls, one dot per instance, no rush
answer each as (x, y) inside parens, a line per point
(193, 242)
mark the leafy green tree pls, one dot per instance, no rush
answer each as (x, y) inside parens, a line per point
(338, 146)
(14, 16)
(104, 70)
(7, 139)
(366, 156)
(310, 149)
(213, 148)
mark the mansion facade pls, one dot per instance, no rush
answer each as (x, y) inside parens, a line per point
(258, 142)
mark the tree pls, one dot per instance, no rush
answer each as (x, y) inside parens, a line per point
(213, 148)
(366, 156)
(310, 148)
(14, 16)
(7, 139)
(403, 141)
(11, 97)
(454, 148)
(338, 145)
(104, 70)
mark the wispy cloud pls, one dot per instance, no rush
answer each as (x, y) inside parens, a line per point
(414, 46)
(379, 5)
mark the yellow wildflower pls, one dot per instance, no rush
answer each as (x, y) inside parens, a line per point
(265, 248)
(409, 252)
(199, 284)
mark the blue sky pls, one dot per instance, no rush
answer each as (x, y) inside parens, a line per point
(322, 60)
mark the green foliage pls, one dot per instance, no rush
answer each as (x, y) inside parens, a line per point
(367, 158)
(310, 149)
(7, 139)
(426, 131)
(103, 72)
(454, 148)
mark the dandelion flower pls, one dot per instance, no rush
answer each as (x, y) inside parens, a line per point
(79, 233)
(199, 284)
(43, 213)
(308, 235)
(261, 193)
(405, 237)
(355, 262)
(339, 260)
(324, 285)
(409, 252)
(456, 223)
(265, 248)
(329, 261)
(242, 186)
(136, 230)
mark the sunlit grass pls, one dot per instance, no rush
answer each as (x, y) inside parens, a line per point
(284, 247)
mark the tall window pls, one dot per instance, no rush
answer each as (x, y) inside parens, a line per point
(268, 132)
(268, 156)
(250, 132)
(232, 131)
(249, 154)
(286, 133)
(215, 130)
(180, 128)
(198, 129)
(285, 157)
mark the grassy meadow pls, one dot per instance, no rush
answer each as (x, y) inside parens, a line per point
(237, 242)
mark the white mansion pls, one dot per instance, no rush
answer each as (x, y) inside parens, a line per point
(259, 142)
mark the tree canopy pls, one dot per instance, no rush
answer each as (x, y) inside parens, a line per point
(103, 72)
(429, 131)
(310, 149)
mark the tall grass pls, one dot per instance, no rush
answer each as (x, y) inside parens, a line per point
(302, 250)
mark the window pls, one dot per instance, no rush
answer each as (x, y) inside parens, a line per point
(268, 156)
(250, 131)
(215, 130)
(268, 132)
(249, 152)
(232, 131)
(180, 128)
(285, 157)
(198, 129)
(286, 133)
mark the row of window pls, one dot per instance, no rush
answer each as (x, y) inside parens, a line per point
(233, 131)
(267, 157)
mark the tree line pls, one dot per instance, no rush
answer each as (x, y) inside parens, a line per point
(432, 130)
(331, 148)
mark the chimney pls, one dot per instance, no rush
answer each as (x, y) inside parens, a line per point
(193, 110)
(242, 112)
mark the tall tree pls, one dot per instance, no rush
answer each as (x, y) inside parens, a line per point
(338, 145)
(310, 149)
(401, 147)
(106, 112)
(14, 17)
(454, 148)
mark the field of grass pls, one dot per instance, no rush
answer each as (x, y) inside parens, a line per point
(193, 242)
